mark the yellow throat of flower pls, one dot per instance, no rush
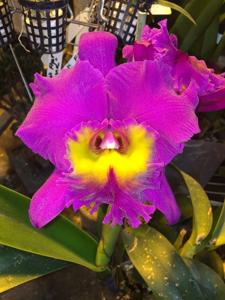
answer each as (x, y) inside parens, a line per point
(91, 166)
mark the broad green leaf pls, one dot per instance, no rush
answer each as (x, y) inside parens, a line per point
(17, 267)
(159, 223)
(61, 239)
(160, 265)
(203, 21)
(196, 47)
(211, 285)
(218, 235)
(177, 8)
(213, 260)
(210, 37)
(202, 216)
(182, 24)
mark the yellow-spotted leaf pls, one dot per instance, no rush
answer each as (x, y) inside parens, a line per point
(18, 267)
(158, 262)
(210, 283)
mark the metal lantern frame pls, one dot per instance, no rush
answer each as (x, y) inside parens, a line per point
(45, 24)
(6, 24)
(124, 17)
(120, 18)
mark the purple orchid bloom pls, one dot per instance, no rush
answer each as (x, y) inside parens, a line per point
(109, 131)
(157, 43)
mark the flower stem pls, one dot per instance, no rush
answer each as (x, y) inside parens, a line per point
(107, 244)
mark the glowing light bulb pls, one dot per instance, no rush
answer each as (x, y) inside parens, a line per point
(157, 9)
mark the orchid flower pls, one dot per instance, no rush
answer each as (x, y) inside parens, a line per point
(157, 43)
(109, 131)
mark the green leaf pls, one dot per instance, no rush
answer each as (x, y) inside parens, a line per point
(218, 235)
(185, 206)
(160, 265)
(182, 25)
(177, 8)
(17, 267)
(210, 38)
(212, 286)
(212, 260)
(203, 21)
(202, 216)
(61, 239)
(107, 244)
(196, 47)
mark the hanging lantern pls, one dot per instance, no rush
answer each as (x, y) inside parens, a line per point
(120, 18)
(45, 23)
(6, 25)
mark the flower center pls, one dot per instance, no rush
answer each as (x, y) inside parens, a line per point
(126, 150)
(109, 140)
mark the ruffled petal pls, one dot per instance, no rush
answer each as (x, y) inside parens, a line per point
(162, 44)
(126, 207)
(155, 43)
(74, 96)
(186, 69)
(164, 200)
(122, 203)
(50, 200)
(99, 48)
(160, 36)
(210, 86)
(144, 91)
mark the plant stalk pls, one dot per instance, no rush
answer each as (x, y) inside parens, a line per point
(107, 244)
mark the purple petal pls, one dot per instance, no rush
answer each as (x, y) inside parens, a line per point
(163, 44)
(185, 69)
(74, 96)
(128, 52)
(144, 91)
(213, 101)
(41, 85)
(210, 86)
(164, 200)
(125, 206)
(122, 204)
(141, 50)
(184, 72)
(49, 201)
(99, 48)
